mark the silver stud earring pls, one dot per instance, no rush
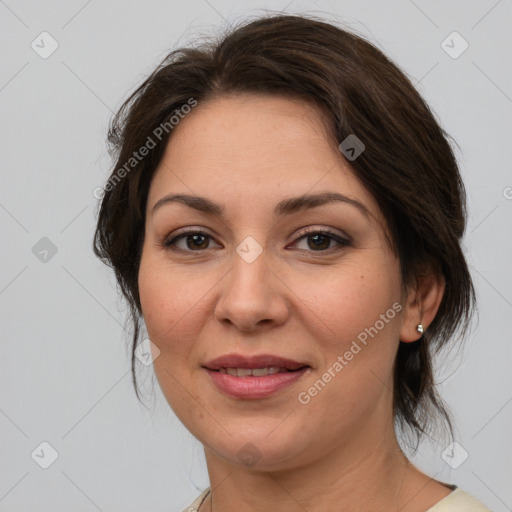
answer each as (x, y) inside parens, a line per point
(419, 328)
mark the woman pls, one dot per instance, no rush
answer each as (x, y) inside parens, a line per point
(285, 215)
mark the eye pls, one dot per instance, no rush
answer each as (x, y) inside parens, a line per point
(191, 241)
(316, 241)
(320, 240)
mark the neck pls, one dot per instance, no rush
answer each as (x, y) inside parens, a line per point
(353, 476)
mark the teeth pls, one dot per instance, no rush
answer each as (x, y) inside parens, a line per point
(255, 372)
(260, 372)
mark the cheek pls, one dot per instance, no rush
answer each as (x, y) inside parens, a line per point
(167, 298)
(358, 313)
(175, 306)
(349, 301)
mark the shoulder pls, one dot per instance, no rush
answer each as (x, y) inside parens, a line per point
(197, 502)
(459, 501)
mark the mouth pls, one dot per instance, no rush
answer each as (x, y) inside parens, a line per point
(256, 362)
(254, 372)
(254, 377)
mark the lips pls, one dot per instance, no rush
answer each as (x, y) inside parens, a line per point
(253, 362)
(253, 377)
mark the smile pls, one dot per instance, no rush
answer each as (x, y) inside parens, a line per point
(253, 377)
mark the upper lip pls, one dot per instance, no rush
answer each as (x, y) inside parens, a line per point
(256, 361)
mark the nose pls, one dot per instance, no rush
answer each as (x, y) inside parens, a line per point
(252, 296)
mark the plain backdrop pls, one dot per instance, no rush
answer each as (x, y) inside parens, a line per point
(64, 364)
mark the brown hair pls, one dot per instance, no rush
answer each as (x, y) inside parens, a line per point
(408, 165)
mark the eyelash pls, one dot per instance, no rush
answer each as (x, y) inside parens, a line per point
(342, 242)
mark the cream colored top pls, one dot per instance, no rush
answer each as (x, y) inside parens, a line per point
(456, 501)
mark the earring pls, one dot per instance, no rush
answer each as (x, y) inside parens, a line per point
(419, 328)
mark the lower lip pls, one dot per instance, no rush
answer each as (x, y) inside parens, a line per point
(254, 387)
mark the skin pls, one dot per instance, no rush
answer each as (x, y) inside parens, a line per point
(247, 153)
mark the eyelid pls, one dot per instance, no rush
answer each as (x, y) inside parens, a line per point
(337, 235)
(189, 229)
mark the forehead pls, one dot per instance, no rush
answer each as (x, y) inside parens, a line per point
(239, 127)
(255, 149)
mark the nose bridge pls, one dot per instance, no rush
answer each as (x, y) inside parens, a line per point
(251, 294)
(250, 269)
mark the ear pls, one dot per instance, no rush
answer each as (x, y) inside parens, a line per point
(421, 305)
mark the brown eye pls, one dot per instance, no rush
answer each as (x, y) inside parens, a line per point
(319, 241)
(322, 241)
(197, 241)
(190, 241)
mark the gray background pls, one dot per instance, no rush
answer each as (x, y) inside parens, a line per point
(65, 376)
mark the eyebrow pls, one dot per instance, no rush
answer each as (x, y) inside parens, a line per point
(285, 207)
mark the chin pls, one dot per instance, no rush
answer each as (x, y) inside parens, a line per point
(256, 447)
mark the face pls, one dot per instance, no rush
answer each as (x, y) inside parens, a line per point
(302, 296)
